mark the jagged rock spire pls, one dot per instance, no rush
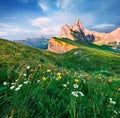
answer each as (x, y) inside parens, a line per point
(73, 32)
(78, 26)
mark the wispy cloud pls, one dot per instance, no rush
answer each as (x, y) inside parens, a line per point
(41, 22)
(68, 4)
(44, 5)
(64, 4)
(104, 25)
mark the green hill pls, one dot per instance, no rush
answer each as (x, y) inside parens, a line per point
(84, 82)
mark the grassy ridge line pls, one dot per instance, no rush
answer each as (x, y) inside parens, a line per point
(86, 46)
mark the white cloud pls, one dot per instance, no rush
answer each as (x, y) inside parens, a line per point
(10, 32)
(67, 13)
(104, 25)
(68, 4)
(44, 5)
(2, 33)
(52, 24)
(41, 22)
(64, 4)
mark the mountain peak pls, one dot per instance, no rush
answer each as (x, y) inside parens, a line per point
(79, 23)
(73, 32)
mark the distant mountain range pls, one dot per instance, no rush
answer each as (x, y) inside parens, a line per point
(38, 42)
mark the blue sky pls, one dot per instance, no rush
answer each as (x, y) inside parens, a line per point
(32, 18)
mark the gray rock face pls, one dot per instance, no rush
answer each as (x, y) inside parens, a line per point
(75, 32)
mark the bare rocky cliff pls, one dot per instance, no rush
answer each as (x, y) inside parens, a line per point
(59, 46)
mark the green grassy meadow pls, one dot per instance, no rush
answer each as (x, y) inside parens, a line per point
(82, 83)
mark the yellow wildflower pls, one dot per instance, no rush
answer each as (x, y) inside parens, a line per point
(59, 77)
(76, 81)
(44, 78)
(48, 70)
(58, 74)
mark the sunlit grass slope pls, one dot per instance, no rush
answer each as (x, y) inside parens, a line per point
(82, 83)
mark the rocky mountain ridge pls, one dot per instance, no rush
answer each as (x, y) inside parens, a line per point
(78, 32)
(105, 38)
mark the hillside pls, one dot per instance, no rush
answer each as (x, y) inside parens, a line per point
(83, 82)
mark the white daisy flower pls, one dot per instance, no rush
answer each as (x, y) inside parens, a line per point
(18, 88)
(75, 86)
(112, 102)
(28, 67)
(26, 82)
(81, 94)
(74, 94)
(13, 83)
(38, 80)
(5, 83)
(24, 74)
(110, 99)
(65, 85)
(12, 87)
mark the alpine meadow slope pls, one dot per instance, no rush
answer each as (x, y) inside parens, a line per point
(83, 82)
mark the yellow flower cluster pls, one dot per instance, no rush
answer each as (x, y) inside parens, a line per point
(59, 76)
